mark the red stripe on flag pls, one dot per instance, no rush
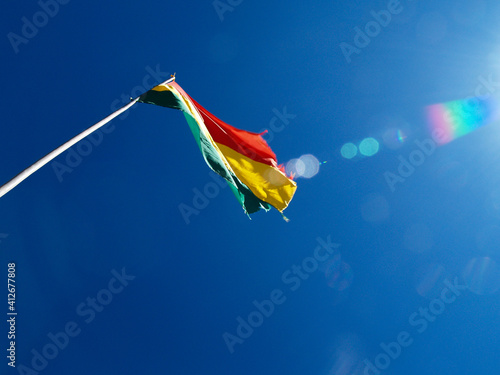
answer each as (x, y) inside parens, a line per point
(249, 144)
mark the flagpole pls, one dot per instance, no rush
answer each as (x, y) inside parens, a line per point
(4, 189)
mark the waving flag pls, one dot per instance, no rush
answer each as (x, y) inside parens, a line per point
(242, 158)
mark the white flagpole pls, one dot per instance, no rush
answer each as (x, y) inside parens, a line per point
(4, 189)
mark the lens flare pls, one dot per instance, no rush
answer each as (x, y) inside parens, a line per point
(401, 136)
(482, 276)
(451, 120)
(295, 167)
(311, 164)
(394, 138)
(349, 150)
(307, 166)
(368, 147)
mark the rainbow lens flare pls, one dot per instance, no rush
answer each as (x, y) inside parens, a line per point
(451, 120)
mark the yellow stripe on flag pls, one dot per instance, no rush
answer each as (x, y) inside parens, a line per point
(266, 182)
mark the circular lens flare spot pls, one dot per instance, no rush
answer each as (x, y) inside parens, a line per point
(306, 166)
(482, 276)
(349, 150)
(311, 165)
(368, 147)
(295, 167)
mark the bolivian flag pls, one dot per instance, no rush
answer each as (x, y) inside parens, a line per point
(242, 158)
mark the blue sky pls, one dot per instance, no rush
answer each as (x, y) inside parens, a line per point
(381, 269)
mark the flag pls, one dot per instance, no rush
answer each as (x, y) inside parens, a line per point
(242, 158)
